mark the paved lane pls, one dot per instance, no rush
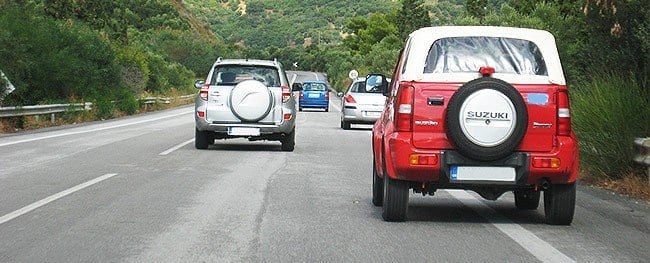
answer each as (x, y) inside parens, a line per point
(249, 201)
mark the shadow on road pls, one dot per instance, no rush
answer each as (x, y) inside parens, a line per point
(244, 146)
(452, 212)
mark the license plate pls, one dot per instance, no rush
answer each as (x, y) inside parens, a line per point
(243, 131)
(313, 95)
(480, 173)
(373, 113)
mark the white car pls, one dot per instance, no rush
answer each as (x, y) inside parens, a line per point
(361, 104)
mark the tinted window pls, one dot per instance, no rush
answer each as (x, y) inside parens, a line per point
(233, 74)
(468, 54)
(314, 87)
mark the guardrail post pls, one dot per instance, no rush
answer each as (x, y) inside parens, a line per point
(52, 118)
(643, 153)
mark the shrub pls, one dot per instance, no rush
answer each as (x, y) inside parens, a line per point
(128, 103)
(608, 113)
(50, 60)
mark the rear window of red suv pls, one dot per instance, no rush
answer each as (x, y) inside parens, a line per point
(468, 54)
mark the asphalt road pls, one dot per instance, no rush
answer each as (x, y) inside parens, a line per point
(136, 190)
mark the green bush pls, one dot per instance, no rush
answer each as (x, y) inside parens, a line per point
(128, 103)
(608, 113)
(104, 108)
(52, 61)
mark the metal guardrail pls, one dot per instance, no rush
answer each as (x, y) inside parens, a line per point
(58, 108)
(43, 109)
(643, 153)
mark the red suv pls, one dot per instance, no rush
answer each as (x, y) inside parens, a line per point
(476, 108)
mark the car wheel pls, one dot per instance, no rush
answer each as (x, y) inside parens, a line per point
(559, 204)
(327, 109)
(486, 119)
(289, 141)
(377, 186)
(527, 199)
(299, 108)
(396, 198)
(345, 125)
(201, 139)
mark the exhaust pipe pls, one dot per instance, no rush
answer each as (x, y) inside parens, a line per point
(545, 184)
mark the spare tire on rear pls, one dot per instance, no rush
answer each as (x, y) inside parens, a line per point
(486, 119)
(251, 100)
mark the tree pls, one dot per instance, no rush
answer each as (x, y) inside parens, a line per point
(412, 16)
(477, 8)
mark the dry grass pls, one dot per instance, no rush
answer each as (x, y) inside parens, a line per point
(635, 185)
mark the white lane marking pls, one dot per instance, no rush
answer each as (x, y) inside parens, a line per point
(529, 241)
(51, 198)
(87, 131)
(316, 75)
(170, 150)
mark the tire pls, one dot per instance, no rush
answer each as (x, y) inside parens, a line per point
(377, 186)
(289, 141)
(299, 109)
(559, 204)
(396, 198)
(527, 199)
(486, 148)
(201, 139)
(345, 125)
(327, 109)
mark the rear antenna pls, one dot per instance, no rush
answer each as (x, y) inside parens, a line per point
(275, 61)
(218, 59)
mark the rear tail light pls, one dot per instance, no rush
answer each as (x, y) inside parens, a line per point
(563, 114)
(200, 114)
(350, 99)
(546, 162)
(404, 109)
(302, 95)
(286, 94)
(203, 92)
(287, 116)
(423, 159)
(327, 95)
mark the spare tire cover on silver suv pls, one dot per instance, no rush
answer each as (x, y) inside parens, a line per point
(251, 100)
(486, 119)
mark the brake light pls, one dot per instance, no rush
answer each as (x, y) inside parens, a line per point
(327, 95)
(350, 99)
(200, 114)
(286, 94)
(203, 92)
(486, 71)
(563, 114)
(546, 162)
(404, 109)
(286, 116)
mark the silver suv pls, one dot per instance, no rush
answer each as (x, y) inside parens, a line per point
(245, 98)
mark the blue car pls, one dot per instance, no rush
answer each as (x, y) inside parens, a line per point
(314, 94)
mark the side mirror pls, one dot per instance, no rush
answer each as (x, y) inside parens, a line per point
(296, 87)
(378, 81)
(199, 84)
(340, 94)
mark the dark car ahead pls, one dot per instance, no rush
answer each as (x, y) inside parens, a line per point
(314, 94)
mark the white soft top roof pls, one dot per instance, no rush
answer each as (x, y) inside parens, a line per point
(421, 40)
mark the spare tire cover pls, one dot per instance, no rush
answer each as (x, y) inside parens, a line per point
(251, 100)
(486, 119)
